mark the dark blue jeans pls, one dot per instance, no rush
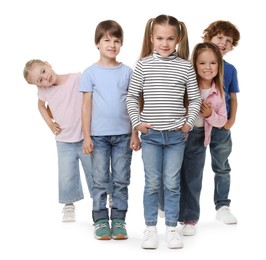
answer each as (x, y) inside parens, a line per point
(192, 171)
(220, 149)
(191, 176)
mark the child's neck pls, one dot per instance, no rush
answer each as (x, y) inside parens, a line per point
(108, 62)
(61, 79)
(205, 84)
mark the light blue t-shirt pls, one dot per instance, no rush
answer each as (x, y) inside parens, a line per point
(109, 87)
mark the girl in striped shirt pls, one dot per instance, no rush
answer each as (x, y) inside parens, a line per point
(162, 76)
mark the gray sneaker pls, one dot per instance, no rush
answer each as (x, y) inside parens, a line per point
(69, 213)
(224, 214)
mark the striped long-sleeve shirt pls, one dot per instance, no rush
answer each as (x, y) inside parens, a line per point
(163, 81)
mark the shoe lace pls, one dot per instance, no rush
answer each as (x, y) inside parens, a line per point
(101, 225)
(68, 208)
(173, 235)
(149, 234)
(119, 224)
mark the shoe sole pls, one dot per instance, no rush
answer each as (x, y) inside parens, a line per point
(149, 247)
(119, 237)
(227, 222)
(189, 234)
(68, 220)
(176, 247)
(104, 237)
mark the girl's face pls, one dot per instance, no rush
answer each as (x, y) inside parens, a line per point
(109, 46)
(207, 66)
(43, 75)
(223, 42)
(164, 39)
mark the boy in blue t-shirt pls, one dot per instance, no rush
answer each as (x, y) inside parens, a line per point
(107, 131)
(226, 36)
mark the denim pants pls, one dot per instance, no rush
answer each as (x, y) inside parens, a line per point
(69, 157)
(220, 149)
(162, 153)
(111, 153)
(191, 176)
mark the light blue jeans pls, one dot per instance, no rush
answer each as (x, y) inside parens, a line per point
(69, 157)
(162, 153)
(111, 153)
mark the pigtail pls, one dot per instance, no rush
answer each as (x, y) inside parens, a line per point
(183, 46)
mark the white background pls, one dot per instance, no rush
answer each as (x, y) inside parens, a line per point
(62, 32)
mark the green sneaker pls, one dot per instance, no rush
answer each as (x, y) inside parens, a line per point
(118, 229)
(102, 230)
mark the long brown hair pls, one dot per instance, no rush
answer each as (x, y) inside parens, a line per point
(201, 47)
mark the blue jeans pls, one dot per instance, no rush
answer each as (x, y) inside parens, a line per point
(69, 157)
(220, 149)
(192, 171)
(191, 176)
(162, 153)
(111, 153)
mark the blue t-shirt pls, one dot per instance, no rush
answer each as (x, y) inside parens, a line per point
(230, 84)
(109, 87)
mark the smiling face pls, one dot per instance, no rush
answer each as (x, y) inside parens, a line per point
(164, 39)
(109, 46)
(224, 43)
(42, 75)
(207, 66)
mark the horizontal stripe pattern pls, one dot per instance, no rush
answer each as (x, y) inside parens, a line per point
(163, 82)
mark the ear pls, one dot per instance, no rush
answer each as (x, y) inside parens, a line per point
(151, 38)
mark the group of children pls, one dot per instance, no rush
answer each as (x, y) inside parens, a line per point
(179, 107)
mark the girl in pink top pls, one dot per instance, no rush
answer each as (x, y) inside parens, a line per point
(208, 64)
(59, 103)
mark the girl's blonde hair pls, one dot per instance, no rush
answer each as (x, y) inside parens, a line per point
(28, 67)
(200, 48)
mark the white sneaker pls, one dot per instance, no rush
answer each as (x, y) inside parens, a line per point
(224, 214)
(189, 230)
(173, 239)
(161, 213)
(150, 239)
(69, 213)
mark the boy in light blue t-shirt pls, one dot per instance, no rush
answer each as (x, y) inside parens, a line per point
(107, 131)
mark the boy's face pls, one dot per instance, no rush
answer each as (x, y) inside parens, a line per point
(109, 46)
(223, 42)
(42, 75)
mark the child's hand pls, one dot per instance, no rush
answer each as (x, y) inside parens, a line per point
(55, 128)
(206, 108)
(143, 127)
(88, 146)
(185, 129)
(135, 143)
